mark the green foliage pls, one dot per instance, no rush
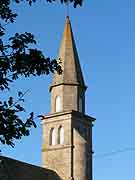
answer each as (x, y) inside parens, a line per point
(11, 125)
(18, 59)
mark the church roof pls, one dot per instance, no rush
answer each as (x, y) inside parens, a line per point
(11, 169)
(69, 59)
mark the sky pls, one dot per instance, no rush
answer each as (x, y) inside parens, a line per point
(104, 32)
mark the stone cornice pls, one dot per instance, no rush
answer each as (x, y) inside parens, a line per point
(67, 84)
(73, 114)
(57, 147)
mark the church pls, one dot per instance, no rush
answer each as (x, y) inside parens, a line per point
(67, 130)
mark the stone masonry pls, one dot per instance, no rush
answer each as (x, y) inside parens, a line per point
(73, 158)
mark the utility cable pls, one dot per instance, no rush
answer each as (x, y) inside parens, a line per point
(113, 153)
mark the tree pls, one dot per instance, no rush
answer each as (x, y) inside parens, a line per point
(18, 59)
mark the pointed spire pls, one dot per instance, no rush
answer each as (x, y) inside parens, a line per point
(68, 55)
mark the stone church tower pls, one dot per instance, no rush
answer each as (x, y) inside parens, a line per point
(67, 130)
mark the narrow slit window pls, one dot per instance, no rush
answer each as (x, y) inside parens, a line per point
(52, 137)
(58, 104)
(61, 135)
(80, 104)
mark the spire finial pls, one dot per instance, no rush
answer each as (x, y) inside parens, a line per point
(67, 9)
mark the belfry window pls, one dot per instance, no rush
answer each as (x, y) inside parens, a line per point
(60, 135)
(52, 137)
(58, 104)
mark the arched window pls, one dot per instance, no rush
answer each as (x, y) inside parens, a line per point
(52, 137)
(80, 104)
(60, 135)
(58, 104)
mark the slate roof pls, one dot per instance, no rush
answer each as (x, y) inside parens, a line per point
(11, 169)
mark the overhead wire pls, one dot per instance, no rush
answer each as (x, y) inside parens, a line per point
(113, 153)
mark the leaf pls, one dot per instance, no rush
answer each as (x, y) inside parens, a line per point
(41, 116)
(20, 93)
(20, 108)
(10, 101)
(27, 133)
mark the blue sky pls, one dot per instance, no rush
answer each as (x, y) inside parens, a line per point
(105, 37)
